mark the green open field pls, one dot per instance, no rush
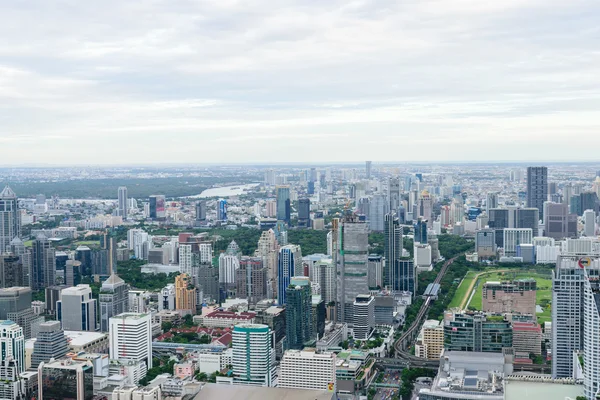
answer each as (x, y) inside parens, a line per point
(462, 290)
(88, 243)
(543, 295)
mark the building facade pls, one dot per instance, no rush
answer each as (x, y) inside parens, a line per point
(253, 355)
(307, 370)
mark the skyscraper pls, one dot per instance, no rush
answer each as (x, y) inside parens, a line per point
(298, 310)
(12, 343)
(76, 310)
(392, 248)
(558, 222)
(283, 204)
(15, 305)
(420, 231)
(537, 188)
(491, 202)
(222, 210)
(185, 294)
(393, 194)
(589, 217)
(378, 208)
(253, 355)
(130, 336)
(405, 277)
(352, 247)
(157, 206)
(113, 299)
(43, 263)
(51, 343)
(10, 219)
(425, 208)
(66, 379)
(368, 169)
(364, 316)
(228, 265)
(591, 334)
(201, 210)
(251, 280)
(122, 206)
(304, 213)
(11, 271)
(289, 265)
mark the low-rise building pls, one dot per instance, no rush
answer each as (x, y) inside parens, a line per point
(88, 342)
(225, 319)
(527, 337)
(307, 369)
(430, 341)
(518, 296)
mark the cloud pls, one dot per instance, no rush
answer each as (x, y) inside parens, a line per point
(295, 80)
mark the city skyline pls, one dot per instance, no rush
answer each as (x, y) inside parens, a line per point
(439, 78)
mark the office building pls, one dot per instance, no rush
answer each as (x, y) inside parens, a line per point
(375, 271)
(185, 294)
(76, 310)
(537, 188)
(299, 320)
(15, 305)
(253, 355)
(122, 202)
(584, 201)
(201, 210)
(558, 222)
(307, 369)
(378, 208)
(66, 379)
(568, 280)
(477, 332)
(491, 202)
(228, 265)
(130, 337)
(352, 247)
(527, 337)
(589, 216)
(591, 333)
(206, 279)
(222, 210)
(10, 219)
(283, 204)
(157, 207)
(518, 296)
(72, 273)
(406, 276)
(304, 213)
(12, 343)
(430, 341)
(166, 298)
(11, 271)
(364, 316)
(527, 218)
(485, 243)
(43, 263)
(319, 316)
(113, 300)
(420, 228)
(514, 237)
(392, 248)
(251, 280)
(425, 208)
(368, 169)
(51, 343)
(289, 265)
(393, 194)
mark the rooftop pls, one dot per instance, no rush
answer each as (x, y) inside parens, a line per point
(230, 315)
(212, 391)
(525, 389)
(80, 338)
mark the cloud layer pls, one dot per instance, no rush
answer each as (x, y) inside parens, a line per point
(153, 81)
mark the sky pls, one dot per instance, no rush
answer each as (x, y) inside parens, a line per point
(152, 81)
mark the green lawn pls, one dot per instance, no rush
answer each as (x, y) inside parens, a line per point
(544, 292)
(461, 292)
(88, 243)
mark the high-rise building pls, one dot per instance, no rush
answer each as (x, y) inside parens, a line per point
(420, 231)
(392, 248)
(558, 222)
(66, 379)
(51, 343)
(364, 316)
(283, 204)
(166, 299)
(430, 341)
(589, 216)
(12, 343)
(11, 271)
(308, 370)
(352, 247)
(374, 271)
(201, 210)
(537, 188)
(304, 213)
(514, 237)
(368, 169)
(425, 208)
(591, 334)
(76, 309)
(185, 294)
(130, 337)
(251, 280)
(319, 316)
(491, 202)
(298, 309)
(122, 206)
(10, 218)
(15, 305)
(113, 300)
(289, 265)
(568, 278)
(324, 275)
(228, 265)
(222, 210)
(157, 206)
(43, 263)
(485, 242)
(527, 218)
(253, 355)
(378, 208)
(477, 332)
(393, 195)
(405, 276)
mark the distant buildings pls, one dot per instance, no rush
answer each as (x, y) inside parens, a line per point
(283, 204)
(201, 210)
(122, 202)
(222, 210)
(157, 207)
(10, 219)
(304, 213)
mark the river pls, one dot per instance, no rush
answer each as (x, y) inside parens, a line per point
(225, 191)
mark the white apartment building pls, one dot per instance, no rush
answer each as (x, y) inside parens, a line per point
(514, 237)
(228, 264)
(130, 337)
(185, 259)
(307, 369)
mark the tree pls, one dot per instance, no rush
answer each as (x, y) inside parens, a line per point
(166, 326)
(202, 377)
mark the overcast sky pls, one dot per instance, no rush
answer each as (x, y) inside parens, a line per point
(114, 81)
